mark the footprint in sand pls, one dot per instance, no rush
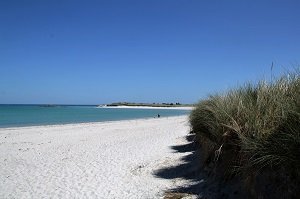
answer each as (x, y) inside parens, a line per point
(138, 170)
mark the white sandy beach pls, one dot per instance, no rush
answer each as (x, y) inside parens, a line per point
(91, 160)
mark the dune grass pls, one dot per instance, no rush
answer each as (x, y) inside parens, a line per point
(259, 123)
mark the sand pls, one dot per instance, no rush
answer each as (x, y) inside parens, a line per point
(91, 160)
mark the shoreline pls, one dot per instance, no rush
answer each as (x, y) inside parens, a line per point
(149, 107)
(114, 159)
(87, 123)
(61, 116)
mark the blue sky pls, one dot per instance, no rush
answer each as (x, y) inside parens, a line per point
(92, 52)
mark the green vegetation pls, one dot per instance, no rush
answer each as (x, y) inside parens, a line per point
(253, 133)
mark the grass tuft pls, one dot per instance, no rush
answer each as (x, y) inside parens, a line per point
(258, 123)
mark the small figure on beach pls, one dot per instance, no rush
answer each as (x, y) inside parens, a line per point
(158, 115)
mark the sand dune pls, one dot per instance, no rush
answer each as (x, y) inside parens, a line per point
(92, 160)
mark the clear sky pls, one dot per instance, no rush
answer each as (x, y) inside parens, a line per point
(92, 52)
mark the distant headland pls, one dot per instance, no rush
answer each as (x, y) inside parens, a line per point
(132, 104)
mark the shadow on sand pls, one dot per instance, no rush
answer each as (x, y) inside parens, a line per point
(189, 169)
(202, 182)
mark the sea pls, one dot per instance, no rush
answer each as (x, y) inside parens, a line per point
(37, 115)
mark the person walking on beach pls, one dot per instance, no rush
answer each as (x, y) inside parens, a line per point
(158, 115)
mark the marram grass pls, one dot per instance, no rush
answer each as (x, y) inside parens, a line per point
(262, 122)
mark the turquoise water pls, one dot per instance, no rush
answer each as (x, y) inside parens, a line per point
(33, 115)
